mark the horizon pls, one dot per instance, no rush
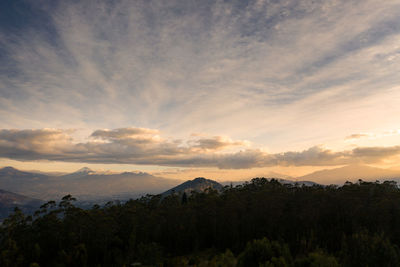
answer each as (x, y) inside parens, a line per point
(393, 174)
(213, 89)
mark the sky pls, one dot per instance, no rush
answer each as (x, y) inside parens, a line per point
(185, 88)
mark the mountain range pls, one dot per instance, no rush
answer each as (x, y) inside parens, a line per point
(86, 184)
(352, 173)
(28, 190)
(83, 184)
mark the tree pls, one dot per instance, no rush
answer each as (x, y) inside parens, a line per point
(263, 251)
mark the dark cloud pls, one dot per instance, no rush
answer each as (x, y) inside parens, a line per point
(314, 156)
(35, 144)
(145, 146)
(375, 154)
(123, 133)
(216, 143)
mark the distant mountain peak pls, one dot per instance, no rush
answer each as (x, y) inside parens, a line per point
(10, 170)
(85, 170)
(200, 180)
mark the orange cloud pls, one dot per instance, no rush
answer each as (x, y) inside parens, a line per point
(144, 146)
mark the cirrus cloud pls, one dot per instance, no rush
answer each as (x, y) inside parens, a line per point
(191, 66)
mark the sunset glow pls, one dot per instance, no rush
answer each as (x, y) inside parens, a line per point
(224, 89)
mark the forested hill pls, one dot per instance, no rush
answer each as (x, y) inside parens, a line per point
(262, 223)
(198, 185)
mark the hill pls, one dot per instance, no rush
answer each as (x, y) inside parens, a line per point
(199, 184)
(9, 200)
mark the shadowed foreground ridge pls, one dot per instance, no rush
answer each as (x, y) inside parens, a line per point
(259, 223)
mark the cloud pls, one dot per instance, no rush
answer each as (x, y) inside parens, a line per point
(376, 154)
(248, 69)
(217, 143)
(356, 136)
(146, 147)
(123, 133)
(373, 135)
(33, 143)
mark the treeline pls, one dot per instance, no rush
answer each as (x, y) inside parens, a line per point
(261, 223)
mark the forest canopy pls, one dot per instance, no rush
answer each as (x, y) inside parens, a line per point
(261, 223)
